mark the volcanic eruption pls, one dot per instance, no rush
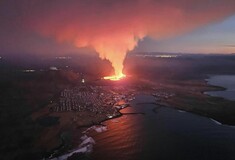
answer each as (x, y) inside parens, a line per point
(114, 27)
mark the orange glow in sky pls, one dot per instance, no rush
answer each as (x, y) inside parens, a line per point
(114, 28)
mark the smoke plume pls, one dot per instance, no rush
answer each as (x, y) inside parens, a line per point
(114, 27)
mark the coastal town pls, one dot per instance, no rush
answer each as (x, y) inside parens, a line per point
(96, 99)
(100, 99)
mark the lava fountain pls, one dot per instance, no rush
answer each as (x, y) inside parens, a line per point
(117, 64)
(114, 48)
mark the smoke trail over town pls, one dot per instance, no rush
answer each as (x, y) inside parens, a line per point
(114, 27)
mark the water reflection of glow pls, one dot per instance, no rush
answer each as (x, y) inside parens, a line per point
(122, 134)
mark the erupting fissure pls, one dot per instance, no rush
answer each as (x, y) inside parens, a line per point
(115, 77)
(117, 64)
(114, 49)
(118, 67)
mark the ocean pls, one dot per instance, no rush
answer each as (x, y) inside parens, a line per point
(163, 133)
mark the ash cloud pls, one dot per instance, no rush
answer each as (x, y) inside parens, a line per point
(114, 27)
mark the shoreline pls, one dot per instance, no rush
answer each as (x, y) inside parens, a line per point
(83, 127)
(203, 114)
(184, 111)
(216, 87)
(222, 89)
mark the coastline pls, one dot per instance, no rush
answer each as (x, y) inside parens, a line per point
(226, 88)
(83, 129)
(214, 87)
(183, 111)
(190, 97)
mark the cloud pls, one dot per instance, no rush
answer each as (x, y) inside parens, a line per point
(114, 27)
(229, 45)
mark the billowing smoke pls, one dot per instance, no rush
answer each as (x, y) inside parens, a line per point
(114, 27)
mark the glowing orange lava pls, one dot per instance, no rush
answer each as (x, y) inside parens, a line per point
(115, 77)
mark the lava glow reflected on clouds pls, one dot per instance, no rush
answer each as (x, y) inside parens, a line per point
(110, 27)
